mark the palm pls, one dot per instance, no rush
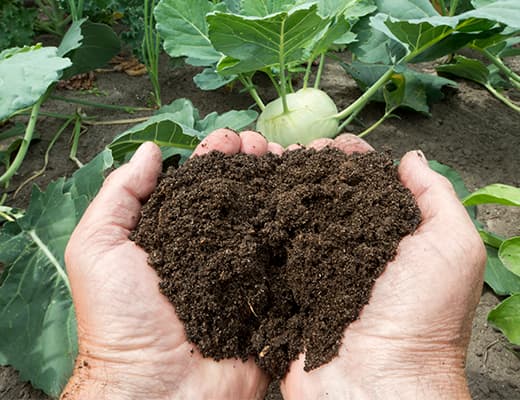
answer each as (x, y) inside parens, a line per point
(132, 319)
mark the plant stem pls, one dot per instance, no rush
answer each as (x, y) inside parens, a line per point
(127, 109)
(320, 72)
(116, 122)
(46, 156)
(348, 120)
(75, 141)
(248, 84)
(73, 9)
(442, 4)
(502, 98)
(378, 122)
(26, 141)
(453, 7)
(307, 74)
(358, 105)
(275, 84)
(283, 79)
(80, 9)
(151, 49)
(513, 77)
(289, 82)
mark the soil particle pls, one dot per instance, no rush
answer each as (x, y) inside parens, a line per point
(273, 256)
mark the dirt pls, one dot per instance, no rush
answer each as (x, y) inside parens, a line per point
(273, 256)
(469, 130)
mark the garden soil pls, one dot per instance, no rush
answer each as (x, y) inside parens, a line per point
(469, 130)
(273, 256)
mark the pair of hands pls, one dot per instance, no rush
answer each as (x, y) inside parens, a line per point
(409, 342)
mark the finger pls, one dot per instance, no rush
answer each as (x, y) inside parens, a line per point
(253, 143)
(223, 140)
(320, 144)
(275, 148)
(445, 221)
(443, 215)
(294, 147)
(115, 210)
(349, 144)
(433, 192)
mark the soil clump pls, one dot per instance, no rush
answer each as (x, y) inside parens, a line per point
(274, 256)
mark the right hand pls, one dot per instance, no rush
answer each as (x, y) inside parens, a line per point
(411, 339)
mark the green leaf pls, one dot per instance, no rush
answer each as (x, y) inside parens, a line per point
(373, 45)
(511, 49)
(506, 317)
(446, 34)
(490, 238)
(338, 32)
(72, 39)
(495, 194)
(25, 75)
(182, 25)
(177, 128)
(418, 90)
(506, 12)
(406, 9)
(181, 111)
(467, 68)
(255, 43)
(498, 277)
(98, 46)
(349, 9)
(235, 120)
(233, 5)
(162, 129)
(256, 8)
(509, 254)
(209, 79)
(37, 321)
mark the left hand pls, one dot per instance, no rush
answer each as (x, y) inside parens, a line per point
(131, 343)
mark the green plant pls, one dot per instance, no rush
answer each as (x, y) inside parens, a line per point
(30, 73)
(236, 41)
(16, 24)
(503, 270)
(37, 320)
(56, 20)
(151, 49)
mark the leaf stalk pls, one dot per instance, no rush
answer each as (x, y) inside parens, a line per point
(283, 78)
(363, 100)
(26, 141)
(320, 72)
(502, 98)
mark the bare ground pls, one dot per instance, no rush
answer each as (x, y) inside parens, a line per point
(470, 131)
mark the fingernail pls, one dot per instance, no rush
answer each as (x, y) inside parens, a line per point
(422, 157)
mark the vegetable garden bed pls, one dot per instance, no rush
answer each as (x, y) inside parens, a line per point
(277, 65)
(470, 130)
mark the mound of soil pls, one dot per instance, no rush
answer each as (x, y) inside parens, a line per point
(272, 256)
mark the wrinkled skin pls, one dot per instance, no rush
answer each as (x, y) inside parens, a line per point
(409, 341)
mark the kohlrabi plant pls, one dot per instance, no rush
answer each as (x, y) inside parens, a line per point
(284, 39)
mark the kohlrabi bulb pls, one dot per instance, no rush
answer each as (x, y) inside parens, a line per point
(311, 116)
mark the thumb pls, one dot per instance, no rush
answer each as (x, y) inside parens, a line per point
(115, 210)
(434, 193)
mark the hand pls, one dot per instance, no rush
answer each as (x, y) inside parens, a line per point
(410, 340)
(131, 343)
